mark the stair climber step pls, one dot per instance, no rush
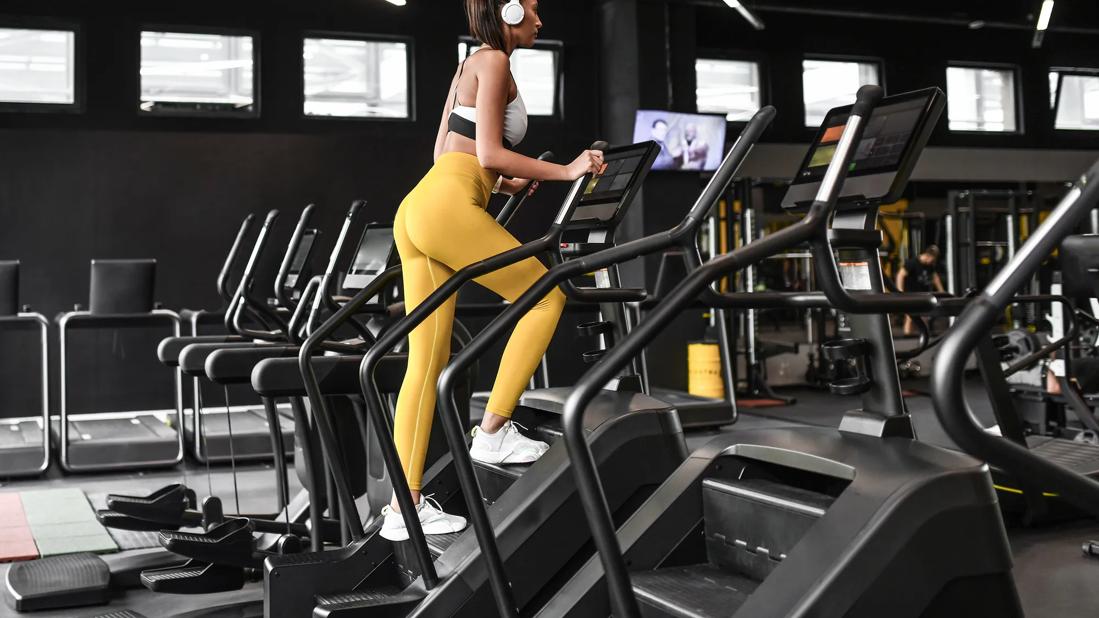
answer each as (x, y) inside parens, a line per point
(230, 542)
(695, 591)
(166, 504)
(752, 524)
(118, 521)
(71, 580)
(122, 613)
(375, 603)
(194, 578)
(495, 479)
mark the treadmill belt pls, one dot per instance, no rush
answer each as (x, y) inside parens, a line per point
(63, 522)
(16, 540)
(143, 439)
(21, 447)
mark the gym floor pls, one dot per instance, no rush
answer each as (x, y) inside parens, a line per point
(1053, 576)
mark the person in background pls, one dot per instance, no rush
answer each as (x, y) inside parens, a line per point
(695, 149)
(919, 275)
(666, 159)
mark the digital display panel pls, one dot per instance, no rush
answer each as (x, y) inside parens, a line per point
(304, 250)
(884, 141)
(604, 192)
(688, 142)
(373, 252)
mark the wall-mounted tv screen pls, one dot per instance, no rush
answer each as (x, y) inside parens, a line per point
(688, 142)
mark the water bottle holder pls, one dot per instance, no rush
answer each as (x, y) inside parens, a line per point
(850, 386)
(594, 329)
(593, 356)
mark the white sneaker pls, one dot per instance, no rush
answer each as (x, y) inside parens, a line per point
(432, 519)
(506, 446)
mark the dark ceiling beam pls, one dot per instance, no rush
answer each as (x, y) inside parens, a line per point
(972, 23)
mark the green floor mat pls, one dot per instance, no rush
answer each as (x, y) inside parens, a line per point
(63, 522)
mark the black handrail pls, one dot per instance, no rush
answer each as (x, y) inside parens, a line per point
(812, 228)
(326, 282)
(947, 388)
(281, 330)
(240, 297)
(377, 414)
(227, 267)
(682, 234)
(288, 259)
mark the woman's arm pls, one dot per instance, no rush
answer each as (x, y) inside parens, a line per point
(444, 124)
(493, 82)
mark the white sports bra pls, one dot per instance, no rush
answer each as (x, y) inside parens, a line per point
(463, 118)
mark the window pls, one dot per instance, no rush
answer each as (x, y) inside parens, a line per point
(183, 72)
(833, 83)
(729, 87)
(1077, 107)
(981, 99)
(535, 71)
(356, 78)
(37, 67)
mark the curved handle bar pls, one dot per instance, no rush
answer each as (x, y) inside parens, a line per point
(288, 259)
(234, 251)
(507, 213)
(947, 388)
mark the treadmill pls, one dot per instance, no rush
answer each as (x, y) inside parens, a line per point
(24, 449)
(121, 298)
(860, 520)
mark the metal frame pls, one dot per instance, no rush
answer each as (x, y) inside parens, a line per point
(44, 329)
(410, 73)
(63, 324)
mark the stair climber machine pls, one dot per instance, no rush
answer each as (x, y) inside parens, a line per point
(230, 553)
(862, 520)
(86, 579)
(532, 507)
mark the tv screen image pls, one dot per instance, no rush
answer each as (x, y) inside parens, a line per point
(688, 142)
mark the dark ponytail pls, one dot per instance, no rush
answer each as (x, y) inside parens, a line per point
(485, 23)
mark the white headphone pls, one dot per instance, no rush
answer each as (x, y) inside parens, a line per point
(513, 13)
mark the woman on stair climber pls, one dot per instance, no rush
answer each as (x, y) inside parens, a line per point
(442, 226)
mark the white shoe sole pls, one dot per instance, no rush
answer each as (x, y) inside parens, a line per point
(401, 534)
(497, 458)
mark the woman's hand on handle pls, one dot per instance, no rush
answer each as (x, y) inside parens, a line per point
(589, 161)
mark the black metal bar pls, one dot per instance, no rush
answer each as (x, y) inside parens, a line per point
(1044, 351)
(288, 259)
(511, 207)
(321, 413)
(234, 251)
(947, 388)
(314, 468)
(278, 452)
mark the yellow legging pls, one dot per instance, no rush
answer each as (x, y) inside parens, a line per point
(441, 227)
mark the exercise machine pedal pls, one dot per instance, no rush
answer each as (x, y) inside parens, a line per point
(691, 591)
(118, 521)
(122, 613)
(71, 580)
(195, 577)
(378, 603)
(230, 542)
(166, 504)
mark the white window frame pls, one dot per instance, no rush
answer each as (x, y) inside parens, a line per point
(254, 112)
(1016, 81)
(410, 77)
(760, 79)
(77, 104)
(878, 64)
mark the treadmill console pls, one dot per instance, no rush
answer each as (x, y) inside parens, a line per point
(372, 256)
(892, 141)
(301, 258)
(606, 197)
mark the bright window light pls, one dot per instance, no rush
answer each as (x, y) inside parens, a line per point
(833, 83)
(352, 78)
(1078, 108)
(37, 66)
(980, 99)
(535, 72)
(730, 87)
(191, 72)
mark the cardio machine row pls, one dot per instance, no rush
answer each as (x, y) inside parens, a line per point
(776, 522)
